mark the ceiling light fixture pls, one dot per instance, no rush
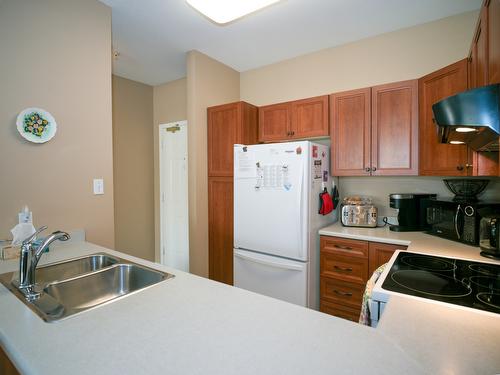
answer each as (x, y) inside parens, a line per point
(225, 11)
(457, 142)
(465, 130)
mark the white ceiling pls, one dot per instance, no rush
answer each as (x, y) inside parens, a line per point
(153, 36)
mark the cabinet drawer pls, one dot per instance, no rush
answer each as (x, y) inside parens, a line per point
(344, 267)
(341, 311)
(344, 292)
(343, 246)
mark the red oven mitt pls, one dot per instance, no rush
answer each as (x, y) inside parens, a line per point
(325, 203)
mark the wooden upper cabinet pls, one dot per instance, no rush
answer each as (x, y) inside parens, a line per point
(306, 118)
(493, 56)
(394, 149)
(274, 122)
(310, 117)
(228, 124)
(437, 159)
(350, 133)
(493, 14)
(478, 57)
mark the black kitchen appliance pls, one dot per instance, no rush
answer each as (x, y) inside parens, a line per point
(460, 282)
(458, 221)
(411, 211)
(489, 235)
(471, 117)
(466, 189)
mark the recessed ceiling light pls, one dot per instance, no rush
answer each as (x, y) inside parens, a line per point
(457, 142)
(224, 11)
(465, 130)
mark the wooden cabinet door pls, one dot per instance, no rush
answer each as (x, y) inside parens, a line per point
(223, 132)
(6, 366)
(395, 129)
(493, 55)
(437, 159)
(493, 15)
(380, 253)
(310, 117)
(274, 122)
(479, 52)
(350, 133)
(220, 233)
(485, 163)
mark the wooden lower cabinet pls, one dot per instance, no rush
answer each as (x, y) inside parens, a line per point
(346, 293)
(220, 232)
(381, 253)
(345, 267)
(6, 366)
(341, 311)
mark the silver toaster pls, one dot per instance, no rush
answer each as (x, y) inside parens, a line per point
(358, 212)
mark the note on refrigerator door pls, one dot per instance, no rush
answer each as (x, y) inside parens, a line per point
(246, 166)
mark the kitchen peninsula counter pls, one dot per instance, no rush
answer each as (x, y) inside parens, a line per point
(191, 325)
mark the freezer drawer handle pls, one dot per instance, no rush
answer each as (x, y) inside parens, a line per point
(291, 267)
(345, 294)
(343, 269)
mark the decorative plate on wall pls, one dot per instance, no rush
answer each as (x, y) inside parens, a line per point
(36, 125)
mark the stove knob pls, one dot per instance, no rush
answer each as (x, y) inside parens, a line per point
(469, 210)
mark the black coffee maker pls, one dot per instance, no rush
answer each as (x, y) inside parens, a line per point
(412, 211)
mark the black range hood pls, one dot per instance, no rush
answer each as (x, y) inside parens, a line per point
(471, 117)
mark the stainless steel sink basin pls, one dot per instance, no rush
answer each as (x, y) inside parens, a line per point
(99, 287)
(76, 285)
(74, 267)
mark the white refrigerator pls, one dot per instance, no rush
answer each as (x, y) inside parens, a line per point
(276, 219)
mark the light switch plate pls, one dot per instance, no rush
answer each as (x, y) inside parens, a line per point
(98, 186)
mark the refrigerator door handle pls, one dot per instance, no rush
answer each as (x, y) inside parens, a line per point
(288, 266)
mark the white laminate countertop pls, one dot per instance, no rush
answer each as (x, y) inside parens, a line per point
(418, 242)
(191, 325)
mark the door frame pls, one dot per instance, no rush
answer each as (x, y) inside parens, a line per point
(161, 200)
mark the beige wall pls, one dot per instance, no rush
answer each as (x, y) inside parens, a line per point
(208, 83)
(55, 54)
(400, 55)
(133, 167)
(169, 106)
(405, 54)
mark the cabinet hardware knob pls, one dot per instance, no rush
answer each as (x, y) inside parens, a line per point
(343, 269)
(469, 165)
(460, 167)
(374, 169)
(292, 133)
(368, 169)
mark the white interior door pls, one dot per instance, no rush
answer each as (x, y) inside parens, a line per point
(174, 233)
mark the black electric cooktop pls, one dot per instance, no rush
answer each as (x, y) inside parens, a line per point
(460, 282)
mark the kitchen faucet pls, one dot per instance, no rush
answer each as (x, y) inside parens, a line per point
(30, 255)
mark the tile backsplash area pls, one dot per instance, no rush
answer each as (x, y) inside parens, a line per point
(379, 189)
